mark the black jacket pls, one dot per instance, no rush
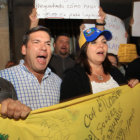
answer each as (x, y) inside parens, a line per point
(133, 70)
(58, 64)
(76, 82)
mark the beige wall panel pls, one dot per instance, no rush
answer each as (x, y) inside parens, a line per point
(4, 38)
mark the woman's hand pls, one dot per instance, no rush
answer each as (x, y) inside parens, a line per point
(82, 27)
(101, 20)
(102, 16)
(133, 82)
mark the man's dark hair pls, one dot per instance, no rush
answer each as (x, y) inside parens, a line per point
(32, 30)
(61, 34)
(82, 59)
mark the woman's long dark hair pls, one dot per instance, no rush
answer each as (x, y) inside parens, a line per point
(82, 59)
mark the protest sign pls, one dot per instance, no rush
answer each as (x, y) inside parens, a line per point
(136, 16)
(116, 26)
(69, 9)
(127, 53)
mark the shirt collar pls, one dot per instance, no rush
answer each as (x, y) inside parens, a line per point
(46, 74)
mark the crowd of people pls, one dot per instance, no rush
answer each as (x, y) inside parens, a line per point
(42, 79)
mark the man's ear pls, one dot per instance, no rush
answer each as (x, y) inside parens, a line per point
(23, 50)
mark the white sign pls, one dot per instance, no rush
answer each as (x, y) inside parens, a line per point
(87, 26)
(69, 9)
(116, 26)
(136, 16)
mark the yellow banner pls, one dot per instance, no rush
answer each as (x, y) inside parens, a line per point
(127, 53)
(110, 115)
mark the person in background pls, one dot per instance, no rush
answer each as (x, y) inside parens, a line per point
(133, 71)
(113, 59)
(61, 59)
(115, 62)
(93, 72)
(132, 39)
(35, 84)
